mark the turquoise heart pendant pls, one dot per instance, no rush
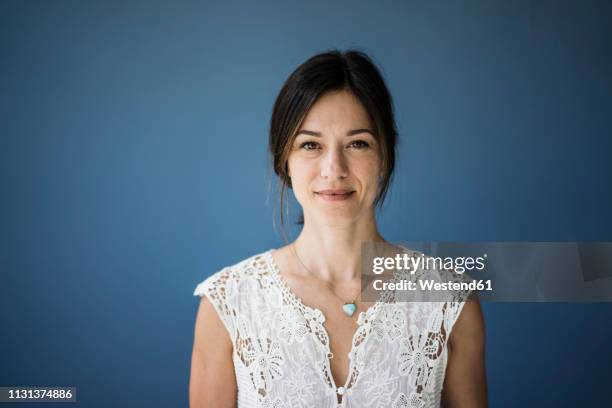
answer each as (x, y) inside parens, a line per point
(349, 309)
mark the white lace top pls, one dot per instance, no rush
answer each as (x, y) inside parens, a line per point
(281, 347)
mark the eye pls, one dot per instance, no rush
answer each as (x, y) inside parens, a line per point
(309, 146)
(359, 144)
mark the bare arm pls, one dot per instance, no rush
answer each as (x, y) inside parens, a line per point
(212, 383)
(465, 382)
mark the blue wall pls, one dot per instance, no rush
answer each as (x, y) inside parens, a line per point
(133, 165)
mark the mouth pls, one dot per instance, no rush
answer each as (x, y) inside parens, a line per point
(334, 195)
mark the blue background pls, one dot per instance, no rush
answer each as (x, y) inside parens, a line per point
(133, 164)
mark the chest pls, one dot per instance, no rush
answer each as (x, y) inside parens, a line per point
(341, 331)
(309, 354)
(339, 328)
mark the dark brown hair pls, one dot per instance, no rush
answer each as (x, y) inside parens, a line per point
(333, 70)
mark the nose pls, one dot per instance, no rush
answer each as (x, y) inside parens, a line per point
(334, 165)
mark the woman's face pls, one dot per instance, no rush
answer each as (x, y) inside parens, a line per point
(335, 161)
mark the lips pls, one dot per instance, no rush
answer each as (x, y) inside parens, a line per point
(334, 195)
(335, 192)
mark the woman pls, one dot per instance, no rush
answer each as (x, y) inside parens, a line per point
(287, 327)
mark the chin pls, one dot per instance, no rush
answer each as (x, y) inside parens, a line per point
(338, 216)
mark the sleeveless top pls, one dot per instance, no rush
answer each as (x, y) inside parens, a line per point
(281, 348)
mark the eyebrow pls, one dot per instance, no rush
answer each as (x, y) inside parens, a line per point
(349, 133)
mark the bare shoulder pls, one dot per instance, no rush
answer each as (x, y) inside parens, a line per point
(282, 255)
(470, 323)
(285, 260)
(212, 381)
(465, 382)
(209, 326)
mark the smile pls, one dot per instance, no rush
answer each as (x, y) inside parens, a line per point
(334, 195)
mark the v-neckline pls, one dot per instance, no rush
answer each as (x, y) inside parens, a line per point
(313, 311)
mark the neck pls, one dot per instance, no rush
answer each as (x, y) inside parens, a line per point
(333, 253)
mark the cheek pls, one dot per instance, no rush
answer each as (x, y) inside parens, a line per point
(367, 170)
(302, 174)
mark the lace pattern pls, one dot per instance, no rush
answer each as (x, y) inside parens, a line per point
(282, 349)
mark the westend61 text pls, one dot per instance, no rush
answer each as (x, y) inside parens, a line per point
(430, 284)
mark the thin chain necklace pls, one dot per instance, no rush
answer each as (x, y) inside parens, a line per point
(348, 308)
